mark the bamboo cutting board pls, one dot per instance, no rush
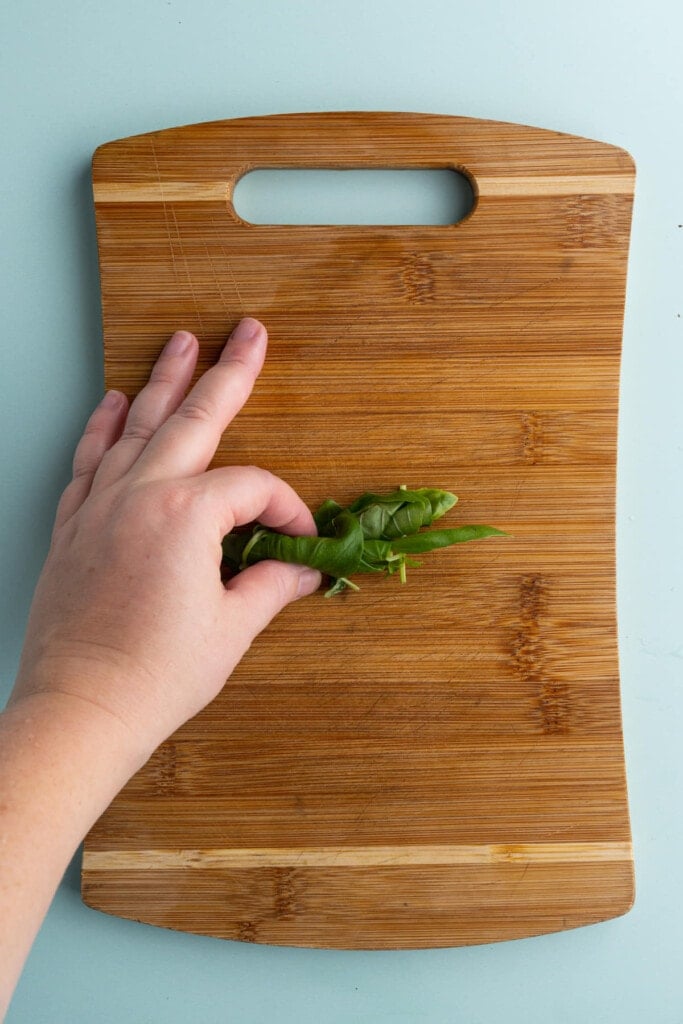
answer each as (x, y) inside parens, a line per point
(431, 765)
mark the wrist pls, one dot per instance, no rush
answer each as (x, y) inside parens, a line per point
(93, 698)
(61, 764)
(77, 734)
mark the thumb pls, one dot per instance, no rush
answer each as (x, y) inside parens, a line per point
(258, 593)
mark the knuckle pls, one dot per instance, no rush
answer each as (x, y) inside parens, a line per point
(162, 378)
(236, 361)
(258, 472)
(94, 428)
(174, 501)
(137, 431)
(85, 461)
(163, 508)
(283, 581)
(197, 410)
(185, 505)
(284, 526)
(84, 468)
(289, 587)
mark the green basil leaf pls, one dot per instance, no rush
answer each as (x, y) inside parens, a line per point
(324, 517)
(401, 512)
(440, 501)
(433, 539)
(374, 534)
(376, 554)
(336, 556)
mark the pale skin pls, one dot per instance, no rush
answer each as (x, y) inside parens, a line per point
(131, 630)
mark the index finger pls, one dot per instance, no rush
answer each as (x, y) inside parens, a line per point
(187, 441)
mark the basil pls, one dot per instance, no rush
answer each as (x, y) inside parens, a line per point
(375, 533)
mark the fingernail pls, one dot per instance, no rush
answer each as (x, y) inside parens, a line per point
(112, 400)
(309, 581)
(178, 344)
(247, 330)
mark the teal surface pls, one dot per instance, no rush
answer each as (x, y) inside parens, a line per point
(76, 74)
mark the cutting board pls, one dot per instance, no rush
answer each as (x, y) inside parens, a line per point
(434, 764)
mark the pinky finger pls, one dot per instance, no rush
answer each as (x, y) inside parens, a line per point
(102, 430)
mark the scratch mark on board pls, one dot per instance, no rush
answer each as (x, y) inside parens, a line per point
(224, 301)
(229, 266)
(187, 271)
(523, 875)
(515, 496)
(165, 207)
(502, 302)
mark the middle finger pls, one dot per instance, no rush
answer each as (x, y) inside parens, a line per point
(187, 442)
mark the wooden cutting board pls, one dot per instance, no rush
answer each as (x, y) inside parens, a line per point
(430, 765)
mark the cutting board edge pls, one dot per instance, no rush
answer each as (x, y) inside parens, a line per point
(291, 118)
(621, 909)
(582, 220)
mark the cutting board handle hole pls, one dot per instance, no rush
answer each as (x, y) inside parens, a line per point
(353, 196)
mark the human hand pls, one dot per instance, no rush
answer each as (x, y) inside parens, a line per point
(130, 613)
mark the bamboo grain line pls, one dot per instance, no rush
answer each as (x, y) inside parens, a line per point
(217, 191)
(357, 856)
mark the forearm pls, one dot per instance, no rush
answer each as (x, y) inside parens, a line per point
(62, 760)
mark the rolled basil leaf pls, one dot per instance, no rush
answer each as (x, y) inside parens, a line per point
(336, 556)
(400, 513)
(376, 533)
(324, 517)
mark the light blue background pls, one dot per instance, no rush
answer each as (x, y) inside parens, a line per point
(78, 73)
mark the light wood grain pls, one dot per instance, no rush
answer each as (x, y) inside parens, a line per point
(439, 764)
(355, 856)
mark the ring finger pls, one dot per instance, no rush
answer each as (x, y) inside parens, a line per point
(101, 432)
(159, 398)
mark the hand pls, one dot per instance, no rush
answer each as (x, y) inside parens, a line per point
(130, 613)
(131, 630)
